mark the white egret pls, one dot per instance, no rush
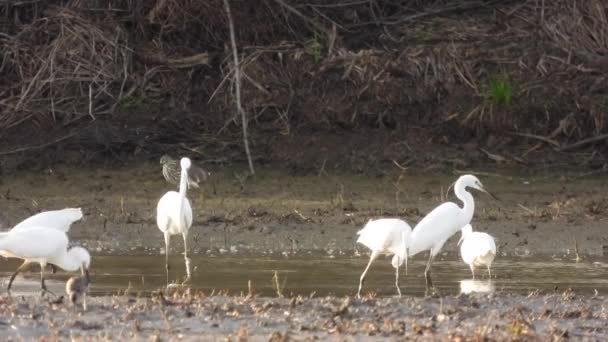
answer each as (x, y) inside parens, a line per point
(61, 219)
(477, 249)
(444, 221)
(174, 216)
(388, 236)
(45, 246)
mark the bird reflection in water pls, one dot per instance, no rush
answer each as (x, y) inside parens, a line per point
(476, 286)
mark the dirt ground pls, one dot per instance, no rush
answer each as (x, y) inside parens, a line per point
(197, 317)
(554, 213)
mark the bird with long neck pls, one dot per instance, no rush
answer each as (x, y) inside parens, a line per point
(431, 233)
(45, 246)
(174, 216)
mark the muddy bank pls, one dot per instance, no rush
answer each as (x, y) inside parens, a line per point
(196, 317)
(277, 212)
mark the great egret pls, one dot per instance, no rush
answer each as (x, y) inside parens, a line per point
(45, 246)
(477, 249)
(61, 219)
(78, 287)
(172, 173)
(444, 221)
(174, 215)
(388, 236)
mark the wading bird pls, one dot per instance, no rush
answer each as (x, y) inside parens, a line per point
(45, 246)
(78, 287)
(477, 249)
(174, 216)
(58, 219)
(444, 221)
(172, 173)
(388, 236)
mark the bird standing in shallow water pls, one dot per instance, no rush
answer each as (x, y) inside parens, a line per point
(45, 246)
(444, 221)
(78, 287)
(388, 236)
(477, 249)
(174, 216)
(172, 173)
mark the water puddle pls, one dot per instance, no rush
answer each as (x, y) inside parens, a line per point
(322, 276)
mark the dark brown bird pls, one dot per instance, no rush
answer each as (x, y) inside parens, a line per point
(171, 172)
(78, 287)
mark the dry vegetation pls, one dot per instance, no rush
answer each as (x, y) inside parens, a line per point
(133, 76)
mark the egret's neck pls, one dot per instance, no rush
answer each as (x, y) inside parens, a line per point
(467, 199)
(68, 262)
(183, 188)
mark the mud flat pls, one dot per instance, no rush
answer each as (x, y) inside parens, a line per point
(196, 317)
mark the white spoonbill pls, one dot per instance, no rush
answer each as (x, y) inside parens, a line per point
(174, 216)
(388, 236)
(477, 249)
(444, 221)
(45, 246)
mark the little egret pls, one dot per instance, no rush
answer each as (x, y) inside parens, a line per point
(58, 219)
(477, 249)
(174, 216)
(45, 246)
(172, 173)
(78, 287)
(444, 221)
(388, 236)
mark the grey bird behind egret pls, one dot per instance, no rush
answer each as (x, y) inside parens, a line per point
(77, 287)
(431, 233)
(174, 216)
(45, 246)
(477, 249)
(388, 236)
(172, 172)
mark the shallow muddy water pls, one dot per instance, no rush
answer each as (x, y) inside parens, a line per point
(325, 276)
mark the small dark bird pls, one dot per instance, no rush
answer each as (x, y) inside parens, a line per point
(172, 172)
(78, 287)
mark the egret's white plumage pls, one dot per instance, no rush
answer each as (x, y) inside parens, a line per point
(477, 249)
(388, 236)
(441, 223)
(45, 246)
(59, 219)
(174, 215)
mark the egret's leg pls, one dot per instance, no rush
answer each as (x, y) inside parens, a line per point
(53, 268)
(167, 239)
(489, 273)
(362, 279)
(397, 278)
(23, 266)
(472, 270)
(187, 260)
(42, 284)
(84, 301)
(427, 271)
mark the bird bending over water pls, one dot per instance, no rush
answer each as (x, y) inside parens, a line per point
(388, 236)
(477, 249)
(172, 172)
(444, 221)
(45, 246)
(174, 215)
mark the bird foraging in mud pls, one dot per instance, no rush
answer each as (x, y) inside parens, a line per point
(45, 246)
(388, 236)
(477, 249)
(77, 287)
(172, 172)
(444, 221)
(174, 215)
